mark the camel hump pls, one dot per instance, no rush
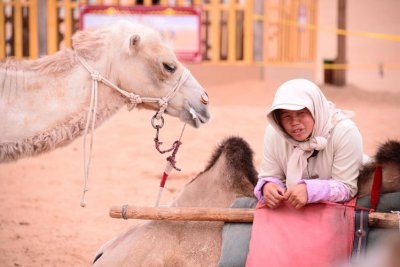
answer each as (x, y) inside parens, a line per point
(239, 157)
(388, 152)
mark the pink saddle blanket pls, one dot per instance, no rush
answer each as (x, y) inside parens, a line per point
(315, 235)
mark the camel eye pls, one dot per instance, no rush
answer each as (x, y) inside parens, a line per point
(169, 67)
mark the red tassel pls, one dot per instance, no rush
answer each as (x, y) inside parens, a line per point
(163, 180)
(376, 186)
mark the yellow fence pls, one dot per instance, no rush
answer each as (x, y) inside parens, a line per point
(289, 42)
(18, 29)
(234, 31)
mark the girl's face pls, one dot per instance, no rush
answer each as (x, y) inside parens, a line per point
(299, 124)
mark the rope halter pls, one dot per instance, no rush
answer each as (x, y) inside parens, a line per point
(134, 100)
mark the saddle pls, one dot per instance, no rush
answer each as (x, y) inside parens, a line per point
(236, 236)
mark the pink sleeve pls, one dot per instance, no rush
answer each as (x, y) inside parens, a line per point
(258, 190)
(331, 190)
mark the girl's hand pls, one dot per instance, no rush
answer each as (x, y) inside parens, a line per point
(273, 195)
(297, 196)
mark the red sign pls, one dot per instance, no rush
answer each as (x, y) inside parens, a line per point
(181, 26)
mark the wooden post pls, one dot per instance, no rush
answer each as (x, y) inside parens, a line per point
(2, 32)
(215, 19)
(18, 30)
(248, 32)
(375, 219)
(232, 27)
(339, 75)
(52, 27)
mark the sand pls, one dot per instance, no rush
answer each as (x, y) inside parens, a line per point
(41, 222)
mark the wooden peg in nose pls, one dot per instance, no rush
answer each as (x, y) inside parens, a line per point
(204, 99)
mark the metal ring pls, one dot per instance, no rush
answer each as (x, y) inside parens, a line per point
(360, 232)
(157, 126)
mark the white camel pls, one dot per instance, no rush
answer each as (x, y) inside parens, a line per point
(47, 103)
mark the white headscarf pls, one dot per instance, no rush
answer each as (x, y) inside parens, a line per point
(295, 95)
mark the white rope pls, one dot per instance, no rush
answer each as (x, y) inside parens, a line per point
(91, 117)
(134, 101)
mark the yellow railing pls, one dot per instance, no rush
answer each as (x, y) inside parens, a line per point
(227, 35)
(20, 19)
(289, 42)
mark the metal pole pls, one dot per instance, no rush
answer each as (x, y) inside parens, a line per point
(339, 75)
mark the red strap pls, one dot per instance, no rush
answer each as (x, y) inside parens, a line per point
(376, 186)
(351, 205)
(164, 179)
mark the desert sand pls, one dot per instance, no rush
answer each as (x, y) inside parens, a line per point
(41, 222)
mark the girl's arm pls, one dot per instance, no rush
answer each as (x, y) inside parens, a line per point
(258, 190)
(270, 171)
(331, 190)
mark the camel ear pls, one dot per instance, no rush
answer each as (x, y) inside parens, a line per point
(134, 41)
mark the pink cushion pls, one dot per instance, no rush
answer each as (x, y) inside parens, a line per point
(315, 235)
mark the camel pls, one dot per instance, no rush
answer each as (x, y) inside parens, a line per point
(49, 102)
(229, 174)
(388, 157)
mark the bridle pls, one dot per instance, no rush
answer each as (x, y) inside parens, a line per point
(134, 101)
(134, 98)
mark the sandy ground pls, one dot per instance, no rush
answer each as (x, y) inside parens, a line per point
(41, 222)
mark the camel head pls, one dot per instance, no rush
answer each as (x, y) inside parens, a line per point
(138, 60)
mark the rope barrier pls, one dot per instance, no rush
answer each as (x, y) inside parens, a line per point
(338, 31)
(374, 67)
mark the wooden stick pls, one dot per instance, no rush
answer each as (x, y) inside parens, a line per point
(383, 220)
(375, 219)
(183, 214)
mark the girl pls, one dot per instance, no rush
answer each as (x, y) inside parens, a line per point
(312, 151)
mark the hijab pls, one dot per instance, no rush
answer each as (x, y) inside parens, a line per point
(297, 94)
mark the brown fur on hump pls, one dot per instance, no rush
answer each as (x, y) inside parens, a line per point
(387, 156)
(239, 158)
(389, 152)
(364, 180)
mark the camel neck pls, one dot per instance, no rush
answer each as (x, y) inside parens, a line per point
(42, 112)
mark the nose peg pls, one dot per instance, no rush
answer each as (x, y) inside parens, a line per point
(204, 99)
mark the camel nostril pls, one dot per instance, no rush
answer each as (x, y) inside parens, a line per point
(204, 99)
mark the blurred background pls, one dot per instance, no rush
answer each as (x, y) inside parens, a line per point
(329, 41)
(240, 51)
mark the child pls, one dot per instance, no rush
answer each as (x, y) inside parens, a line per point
(312, 151)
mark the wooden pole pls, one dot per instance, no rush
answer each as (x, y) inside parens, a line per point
(183, 214)
(375, 219)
